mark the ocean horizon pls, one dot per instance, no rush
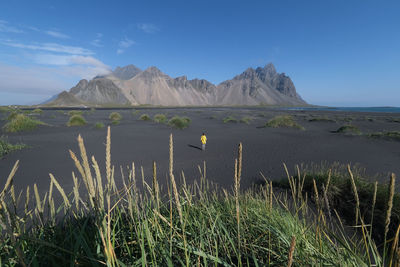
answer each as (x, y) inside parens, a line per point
(352, 109)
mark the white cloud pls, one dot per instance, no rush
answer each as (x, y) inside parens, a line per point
(124, 44)
(5, 27)
(50, 47)
(148, 27)
(82, 66)
(29, 80)
(57, 34)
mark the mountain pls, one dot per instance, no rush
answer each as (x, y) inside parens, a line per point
(127, 72)
(66, 99)
(130, 85)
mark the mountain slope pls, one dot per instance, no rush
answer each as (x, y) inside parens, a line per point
(130, 85)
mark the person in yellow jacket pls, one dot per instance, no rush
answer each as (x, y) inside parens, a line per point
(203, 140)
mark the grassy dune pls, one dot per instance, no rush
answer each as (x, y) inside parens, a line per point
(189, 225)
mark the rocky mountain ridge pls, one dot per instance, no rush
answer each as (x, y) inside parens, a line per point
(131, 86)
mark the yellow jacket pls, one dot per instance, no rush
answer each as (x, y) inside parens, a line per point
(203, 139)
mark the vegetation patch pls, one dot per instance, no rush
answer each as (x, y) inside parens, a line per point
(348, 129)
(123, 226)
(115, 116)
(76, 120)
(135, 112)
(336, 188)
(230, 119)
(160, 118)
(4, 109)
(246, 120)
(20, 122)
(75, 112)
(179, 122)
(394, 135)
(145, 117)
(283, 121)
(37, 111)
(99, 125)
(321, 119)
(115, 122)
(6, 147)
(394, 120)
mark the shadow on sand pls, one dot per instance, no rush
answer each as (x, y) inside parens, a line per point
(199, 148)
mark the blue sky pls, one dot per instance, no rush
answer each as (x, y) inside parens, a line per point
(338, 53)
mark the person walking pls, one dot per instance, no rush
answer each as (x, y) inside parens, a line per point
(203, 140)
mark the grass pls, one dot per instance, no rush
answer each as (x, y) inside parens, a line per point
(4, 109)
(76, 120)
(283, 121)
(394, 135)
(75, 112)
(191, 225)
(37, 111)
(321, 119)
(145, 117)
(393, 119)
(135, 112)
(348, 129)
(20, 122)
(179, 122)
(246, 120)
(160, 118)
(115, 116)
(229, 119)
(6, 147)
(338, 180)
(99, 125)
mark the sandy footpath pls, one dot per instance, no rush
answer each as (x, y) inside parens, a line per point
(265, 149)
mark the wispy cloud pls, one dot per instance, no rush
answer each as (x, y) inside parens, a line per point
(50, 47)
(97, 42)
(148, 27)
(5, 27)
(57, 34)
(124, 44)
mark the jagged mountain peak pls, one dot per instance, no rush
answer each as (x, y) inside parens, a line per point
(127, 72)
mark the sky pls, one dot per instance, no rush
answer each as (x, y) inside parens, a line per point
(337, 53)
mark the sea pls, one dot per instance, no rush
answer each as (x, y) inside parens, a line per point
(352, 109)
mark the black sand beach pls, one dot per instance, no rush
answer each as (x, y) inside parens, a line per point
(264, 149)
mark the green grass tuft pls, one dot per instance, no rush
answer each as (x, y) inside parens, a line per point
(99, 125)
(37, 111)
(349, 129)
(20, 122)
(246, 120)
(115, 116)
(6, 147)
(75, 112)
(395, 135)
(145, 117)
(179, 122)
(160, 118)
(229, 119)
(76, 120)
(321, 119)
(283, 121)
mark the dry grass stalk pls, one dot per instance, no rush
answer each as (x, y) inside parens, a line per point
(373, 203)
(76, 191)
(64, 196)
(316, 195)
(389, 206)
(354, 187)
(99, 190)
(108, 157)
(86, 167)
(172, 177)
(27, 198)
(395, 244)
(291, 251)
(237, 187)
(326, 200)
(38, 201)
(9, 179)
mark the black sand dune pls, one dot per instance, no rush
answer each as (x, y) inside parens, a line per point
(264, 149)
